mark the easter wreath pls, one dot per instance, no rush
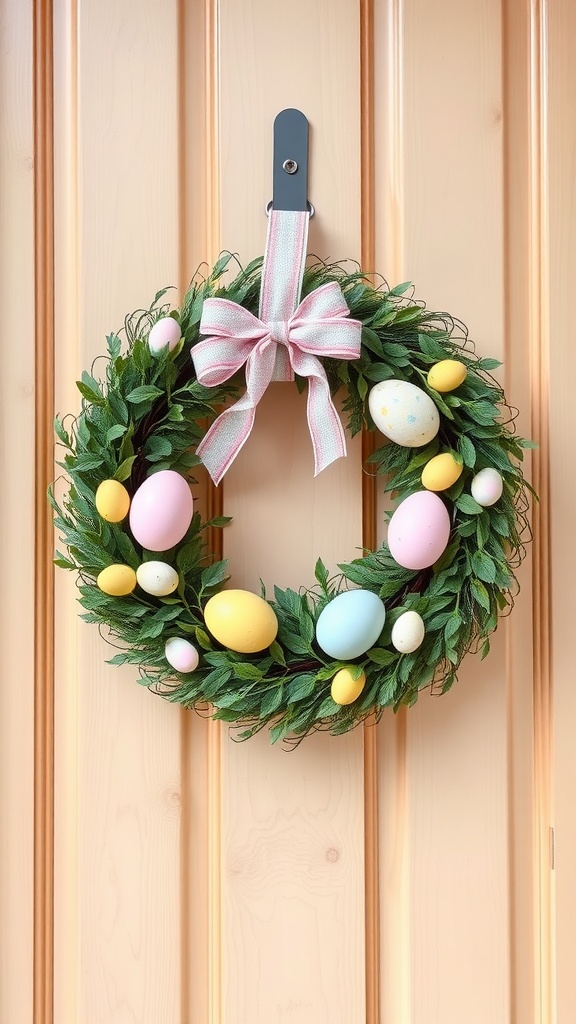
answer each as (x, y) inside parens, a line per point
(288, 660)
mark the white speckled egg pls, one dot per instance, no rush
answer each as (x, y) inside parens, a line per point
(408, 632)
(404, 413)
(181, 654)
(350, 624)
(157, 578)
(487, 487)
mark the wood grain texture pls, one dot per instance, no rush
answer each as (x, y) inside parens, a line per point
(200, 881)
(17, 386)
(43, 546)
(119, 761)
(559, 25)
(293, 852)
(454, 772)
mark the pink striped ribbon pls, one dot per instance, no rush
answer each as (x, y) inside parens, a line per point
(285, 339)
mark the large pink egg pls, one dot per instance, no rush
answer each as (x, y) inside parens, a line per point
(161, 510)
(419, 530)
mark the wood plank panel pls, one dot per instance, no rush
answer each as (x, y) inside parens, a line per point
(559, 82)
(446, 767)
(292, 848)
(119, 801)
(17, 533)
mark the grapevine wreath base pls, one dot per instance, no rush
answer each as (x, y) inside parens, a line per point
(394, 620)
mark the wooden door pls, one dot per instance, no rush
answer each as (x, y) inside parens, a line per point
(152, 869)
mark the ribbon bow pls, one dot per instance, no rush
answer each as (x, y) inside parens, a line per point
(320, 326)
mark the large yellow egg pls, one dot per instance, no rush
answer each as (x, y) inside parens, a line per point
(446, 375)
(117, 580)
(345, 689)
(241, 621)
(441, 472)
(112, 501)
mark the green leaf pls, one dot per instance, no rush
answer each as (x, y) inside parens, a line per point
(300, 687)
(399, 289)
(306, 624)
(482, 529)
(480, 594)
(277, 653)
(467, 451)
(114, 345)
(467, 504)
(144, 393)
(218, 521)
(215, 680)
(293, 642)
(118, 407)
(489, 364)
(245, 670)
(175, 414)
(380, 656)
(61, 432)
(271, 701)
(484, 567)
(64, 563)
(214, 574)
(90, 389)
(84, 463)
(114, 432)
(328, 708)
(452, 626)
(203, 639)
(158, 448)
(124, 469)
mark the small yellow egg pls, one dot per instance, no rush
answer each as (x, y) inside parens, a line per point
(112, 501)
(117, 580)
(345, 689)
(441, 472)
(241, 621)
(446, 375)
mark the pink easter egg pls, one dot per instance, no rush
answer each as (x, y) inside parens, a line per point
(165, 331)
(181, 654)
(161, 510)
(419, 530)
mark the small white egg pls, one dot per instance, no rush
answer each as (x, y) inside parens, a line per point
(408, 632)
(487, 487)
(165, 332)
(181, 654)
(157, 578)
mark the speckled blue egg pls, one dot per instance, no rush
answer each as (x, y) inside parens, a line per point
(350, 624)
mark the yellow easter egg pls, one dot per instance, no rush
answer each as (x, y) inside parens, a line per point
(441, 472)
(241, 621)
(112, 501)
(446, 375)
(117, 580)
(345, 689)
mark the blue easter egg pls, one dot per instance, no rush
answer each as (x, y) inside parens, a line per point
(350, 624)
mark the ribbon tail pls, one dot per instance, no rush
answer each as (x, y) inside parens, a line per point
(326, 430)
(229, 433)
(225, 439)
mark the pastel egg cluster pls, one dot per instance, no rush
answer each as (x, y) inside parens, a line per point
(419, 530)
(160, 515)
